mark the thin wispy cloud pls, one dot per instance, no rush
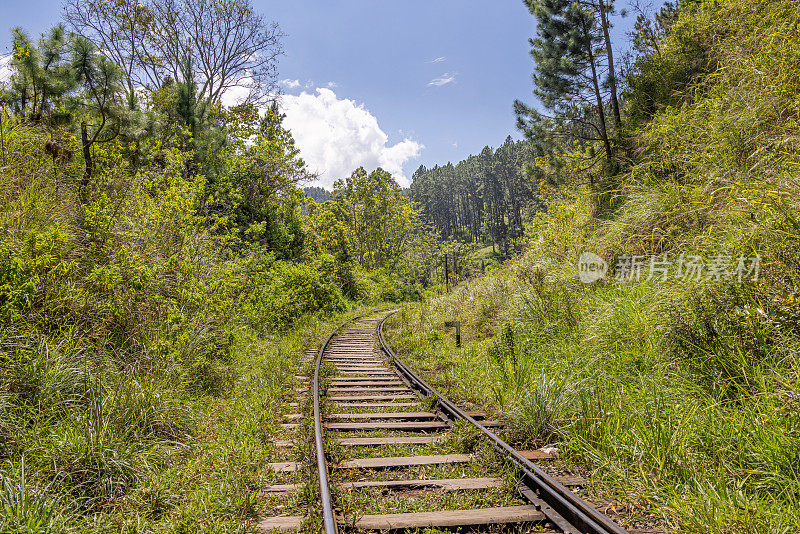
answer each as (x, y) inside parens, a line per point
(332, 85)
(291, 84)
(444, 79)
(437, 60)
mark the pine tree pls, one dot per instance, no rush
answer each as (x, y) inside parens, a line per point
(568, 75)
(192, 112)
(604, 8)
(41, 76)
(103, 103)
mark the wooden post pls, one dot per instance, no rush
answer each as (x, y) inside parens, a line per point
(446, 274)
(457, 326)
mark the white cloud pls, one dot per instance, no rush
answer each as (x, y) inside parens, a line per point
(332, 85)
(336, 136)
(437, 60)
(444, 79)
(233, 96)
(5, 69)
(291, 84)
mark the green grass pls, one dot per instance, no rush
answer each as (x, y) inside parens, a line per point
(616, 401)
(680, 397)
(147, 459)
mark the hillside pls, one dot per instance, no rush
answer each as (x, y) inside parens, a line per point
(318, 194)
(677, 385)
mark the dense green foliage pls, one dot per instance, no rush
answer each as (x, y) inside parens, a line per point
(483, 199)
(158, 265)
(680, 394)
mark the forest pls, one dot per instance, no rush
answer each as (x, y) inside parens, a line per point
(165, 261)
(483, 199)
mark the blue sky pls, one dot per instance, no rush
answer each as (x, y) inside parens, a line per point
(378, 82)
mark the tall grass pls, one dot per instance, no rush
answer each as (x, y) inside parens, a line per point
(682, 397)
(143, 364)
(26, 507)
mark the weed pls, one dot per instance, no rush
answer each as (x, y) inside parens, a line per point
(26, 508)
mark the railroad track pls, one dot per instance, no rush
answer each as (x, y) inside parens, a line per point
(385, 439)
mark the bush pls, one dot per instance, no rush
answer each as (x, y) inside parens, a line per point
(379, 286)
(724, 338)
(288, 291)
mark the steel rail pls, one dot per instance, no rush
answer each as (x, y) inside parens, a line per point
(580, 515)
(329, 520)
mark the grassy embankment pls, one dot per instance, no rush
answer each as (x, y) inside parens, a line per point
(145, 364)
(682, 396)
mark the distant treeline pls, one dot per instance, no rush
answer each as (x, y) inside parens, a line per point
(481, 199)
(318, 194)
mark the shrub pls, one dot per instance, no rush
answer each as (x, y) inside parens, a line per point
(288, 290)
(723, 335)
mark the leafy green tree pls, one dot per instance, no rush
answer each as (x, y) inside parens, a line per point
(378, 218)
(329, 236)
(256, 199)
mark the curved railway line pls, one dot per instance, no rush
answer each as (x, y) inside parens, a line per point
(386, 441)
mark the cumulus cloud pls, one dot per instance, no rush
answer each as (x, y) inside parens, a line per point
(444, 79)
(233, 96)
(336, 136)
(437, 60)
(5, 69)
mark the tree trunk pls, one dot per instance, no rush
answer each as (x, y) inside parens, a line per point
(89, 166)
(612, 74)
(600, 111)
